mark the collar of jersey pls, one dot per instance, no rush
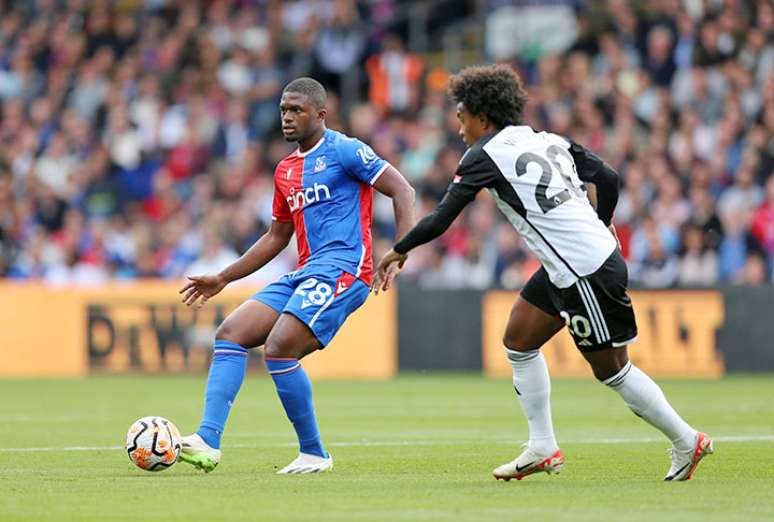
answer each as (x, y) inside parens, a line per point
(316, 146)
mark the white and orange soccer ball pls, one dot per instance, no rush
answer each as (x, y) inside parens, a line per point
(153, 443)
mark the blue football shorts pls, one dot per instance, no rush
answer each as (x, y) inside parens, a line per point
(321, 296)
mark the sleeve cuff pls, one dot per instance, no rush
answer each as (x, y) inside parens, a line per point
(381, 171)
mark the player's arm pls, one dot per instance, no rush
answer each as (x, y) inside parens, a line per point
(392, 184)
(591, 169)
(475, 172)
(428, 228)
(434, 224)
(363, 164)
(264, 250)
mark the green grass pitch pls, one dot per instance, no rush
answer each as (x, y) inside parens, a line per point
(420, 447)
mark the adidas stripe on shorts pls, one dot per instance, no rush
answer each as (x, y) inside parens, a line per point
(596, 309)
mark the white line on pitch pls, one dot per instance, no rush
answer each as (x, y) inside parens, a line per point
(366, 443)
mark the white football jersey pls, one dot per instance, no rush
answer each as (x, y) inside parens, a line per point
(534, 180)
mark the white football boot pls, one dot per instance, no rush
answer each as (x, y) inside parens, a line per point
(684, 462)
(528, 463)
(198, 453)
(306, 463)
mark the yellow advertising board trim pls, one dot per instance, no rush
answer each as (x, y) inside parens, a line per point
(676, 336)
(41, 332)
(143, 327)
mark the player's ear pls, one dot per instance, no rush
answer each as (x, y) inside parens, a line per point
(482, 120)
(322, 113)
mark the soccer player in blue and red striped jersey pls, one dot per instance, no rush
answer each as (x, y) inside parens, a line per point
(322, 193)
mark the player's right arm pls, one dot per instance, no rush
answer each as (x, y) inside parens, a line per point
(264, 250)
(428, 228)
(435, 223)
(474, 173)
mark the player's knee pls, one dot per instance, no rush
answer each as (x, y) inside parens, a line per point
(603, 371)
(601, 374)
(227, 332)
(516, 342)
(277, 346)
(509, 341)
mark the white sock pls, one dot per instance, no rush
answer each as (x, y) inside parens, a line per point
(645, 398)
(533, 388)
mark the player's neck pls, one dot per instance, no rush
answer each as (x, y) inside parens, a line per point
(483, 133)
(307, 143)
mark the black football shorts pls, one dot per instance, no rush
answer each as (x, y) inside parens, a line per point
(596, 309)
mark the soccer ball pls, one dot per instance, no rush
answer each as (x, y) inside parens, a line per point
(153, 443)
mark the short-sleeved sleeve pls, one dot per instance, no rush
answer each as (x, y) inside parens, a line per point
(475, 172)
(360, 161)
(592, 169)
(587, 164)
(280, 211)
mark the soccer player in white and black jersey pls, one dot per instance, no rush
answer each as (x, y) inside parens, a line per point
(537, 180)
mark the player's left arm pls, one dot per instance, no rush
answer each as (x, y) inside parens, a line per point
(392, 184)
(604, 180)
(591, 169)
(362, 163)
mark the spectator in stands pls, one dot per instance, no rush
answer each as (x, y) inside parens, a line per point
(126, 130)
(698, 264)
(394, 77)
(762, 226)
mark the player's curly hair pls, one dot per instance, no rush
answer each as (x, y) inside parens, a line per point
(493, 90)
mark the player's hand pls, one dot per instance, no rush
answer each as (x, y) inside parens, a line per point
(201, 288)
(389, 267)
(611, 228)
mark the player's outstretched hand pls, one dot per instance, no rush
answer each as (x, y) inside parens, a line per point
(203, 286)
(389, 267)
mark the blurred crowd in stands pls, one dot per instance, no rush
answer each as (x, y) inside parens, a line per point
(138, 139)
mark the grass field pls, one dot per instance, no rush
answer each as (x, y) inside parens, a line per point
(416, 448)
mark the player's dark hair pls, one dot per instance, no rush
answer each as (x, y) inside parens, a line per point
(311, 88)
(495, 91)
